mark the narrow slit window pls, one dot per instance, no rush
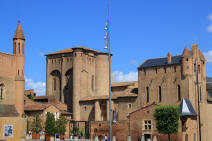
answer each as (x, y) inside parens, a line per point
(200, 93)
(15, 48)
(179, 93)
(160, 96)
(54, 83)
(1, 96)
(92, 83)
(19, 48)
(147, 94)
(23, 48)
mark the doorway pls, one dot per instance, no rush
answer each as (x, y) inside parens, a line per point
(147, 137)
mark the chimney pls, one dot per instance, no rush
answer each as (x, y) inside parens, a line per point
(185, 51)
(169, 58)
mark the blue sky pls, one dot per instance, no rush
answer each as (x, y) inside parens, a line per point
(140, 29)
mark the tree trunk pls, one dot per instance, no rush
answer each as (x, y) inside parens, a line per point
(169, 139)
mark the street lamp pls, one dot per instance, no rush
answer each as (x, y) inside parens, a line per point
(107, 38)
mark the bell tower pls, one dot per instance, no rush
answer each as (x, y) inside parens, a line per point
(18, 52)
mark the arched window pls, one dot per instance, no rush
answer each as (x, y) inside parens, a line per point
(19, 48)
(159, 92)
(147, 94)
(179, 92)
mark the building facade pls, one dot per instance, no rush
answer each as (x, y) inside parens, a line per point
(12, 89)
(79, 77)
(165, 81)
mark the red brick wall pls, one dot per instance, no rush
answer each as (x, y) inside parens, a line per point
(136, 125)
(120, 130)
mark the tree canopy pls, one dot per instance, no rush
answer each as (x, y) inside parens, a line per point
(36, 124)
(50, 124)
(61, 125)
(167, 119)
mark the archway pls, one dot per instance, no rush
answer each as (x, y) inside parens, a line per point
(56, 84)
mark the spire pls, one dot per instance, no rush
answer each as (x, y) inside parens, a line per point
(19, 34)
(185, 52)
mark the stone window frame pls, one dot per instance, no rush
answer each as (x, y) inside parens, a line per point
(147, 125)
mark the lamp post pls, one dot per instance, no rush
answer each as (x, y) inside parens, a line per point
(107, 38)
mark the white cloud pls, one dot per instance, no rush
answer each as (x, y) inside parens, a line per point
(41, 54)
(133, 62)
(39, 87)
(208, 56)
(210, 28)
(119, 76)
(210, 17)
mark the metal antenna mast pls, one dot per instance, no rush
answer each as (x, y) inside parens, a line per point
(107, 38)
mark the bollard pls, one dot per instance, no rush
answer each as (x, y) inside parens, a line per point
(129, 138)
(155, 138)
(114, 138)
(142, 138)
(75, 138)
(96, 138)
(22, 138)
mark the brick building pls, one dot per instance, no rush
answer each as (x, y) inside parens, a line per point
(165, 81)
(12, 125)
(79, 78)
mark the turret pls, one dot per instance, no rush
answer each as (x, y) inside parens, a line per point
(77, 69)
(18, 41)
(18, 51)
(186, 62)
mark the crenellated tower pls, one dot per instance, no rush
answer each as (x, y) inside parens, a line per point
(18, 52)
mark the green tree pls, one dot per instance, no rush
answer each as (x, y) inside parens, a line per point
(50, 124)
(167, 119)
(61, 125)
(36, 124)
